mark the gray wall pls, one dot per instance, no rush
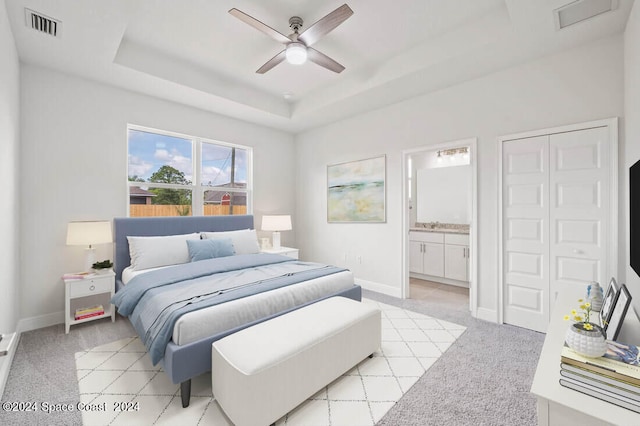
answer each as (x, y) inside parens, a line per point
(9, 167)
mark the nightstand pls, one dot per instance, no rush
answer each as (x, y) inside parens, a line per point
(96, 289)
(285, 251)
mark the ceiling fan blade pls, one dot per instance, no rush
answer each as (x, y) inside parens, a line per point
(264, 28)
(272, 62)
(323, 60)
(325, 25)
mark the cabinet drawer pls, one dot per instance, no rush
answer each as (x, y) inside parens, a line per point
(90, 286)
(459, 239)
(427, 237)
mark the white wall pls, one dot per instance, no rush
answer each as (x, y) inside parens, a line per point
(9, 166)
(632, 137)
(578, 85)
(74, 167)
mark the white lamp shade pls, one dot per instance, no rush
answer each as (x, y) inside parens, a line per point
(296, 53)
(276, 223)
(89, 233)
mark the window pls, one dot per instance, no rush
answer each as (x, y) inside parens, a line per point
(178, 175)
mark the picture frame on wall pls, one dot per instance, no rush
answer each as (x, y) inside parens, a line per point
(356, 191)
(618, 313)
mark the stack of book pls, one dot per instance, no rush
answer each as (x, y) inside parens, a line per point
(77, 275)
(92, 311)
(614, 378)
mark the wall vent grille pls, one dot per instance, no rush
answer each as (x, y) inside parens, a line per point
(581, 10)
(42, 23)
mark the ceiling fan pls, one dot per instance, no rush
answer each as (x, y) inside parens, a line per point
(298, 46)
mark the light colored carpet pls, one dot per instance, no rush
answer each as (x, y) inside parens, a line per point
(118, 379)
(484, 379)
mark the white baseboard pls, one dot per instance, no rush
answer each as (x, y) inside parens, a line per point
(487, 315)
(7, 360)
(379, 288)
(41, 321)
(442, 280)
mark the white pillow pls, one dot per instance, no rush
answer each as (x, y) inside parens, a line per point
(244, 241)
(152, 252)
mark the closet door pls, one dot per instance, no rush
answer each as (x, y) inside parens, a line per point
(579, 167)
(525, 221)
(555, 220)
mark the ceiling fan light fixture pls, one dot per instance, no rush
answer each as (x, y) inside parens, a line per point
(296, 53)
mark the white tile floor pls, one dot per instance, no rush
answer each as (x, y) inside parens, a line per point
(120, 372)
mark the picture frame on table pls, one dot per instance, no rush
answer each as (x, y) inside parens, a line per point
(618, 313)
(609, 301)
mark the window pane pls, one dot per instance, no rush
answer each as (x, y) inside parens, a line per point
(223, 166)
(149, 201)
(221, 202)
(163, 181)
(159, 158)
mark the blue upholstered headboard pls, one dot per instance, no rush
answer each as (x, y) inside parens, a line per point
(156, 226)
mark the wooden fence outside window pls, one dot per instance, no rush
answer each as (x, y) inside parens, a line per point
(146, 210)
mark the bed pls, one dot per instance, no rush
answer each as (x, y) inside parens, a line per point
(188, 351)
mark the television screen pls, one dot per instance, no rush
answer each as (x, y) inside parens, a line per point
(634, 217)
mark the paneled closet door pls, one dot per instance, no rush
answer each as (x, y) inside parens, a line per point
(525, 220)
(555, 218)
(579, 213)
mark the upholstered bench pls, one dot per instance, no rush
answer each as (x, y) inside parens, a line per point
(262, 372)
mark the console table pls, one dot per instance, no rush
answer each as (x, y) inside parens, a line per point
(558, 405)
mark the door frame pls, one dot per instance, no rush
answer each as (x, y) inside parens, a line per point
(472, 143)
(612, 252)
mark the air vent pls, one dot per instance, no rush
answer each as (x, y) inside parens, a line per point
(581, 10)
(42, 23)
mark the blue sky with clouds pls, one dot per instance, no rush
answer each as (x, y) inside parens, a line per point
(149, 151)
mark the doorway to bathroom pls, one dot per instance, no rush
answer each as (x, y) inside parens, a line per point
(440, 224)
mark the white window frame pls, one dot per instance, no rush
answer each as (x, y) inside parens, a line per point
(196, 187)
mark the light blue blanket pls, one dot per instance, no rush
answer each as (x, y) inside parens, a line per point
(154, 301)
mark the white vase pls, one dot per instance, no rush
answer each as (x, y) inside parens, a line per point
(588, 343)
(595, 296)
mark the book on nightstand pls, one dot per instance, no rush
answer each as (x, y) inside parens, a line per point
(92, 311)
(77, 275)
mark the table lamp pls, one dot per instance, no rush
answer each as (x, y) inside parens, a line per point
(276, 223)
(88, 234)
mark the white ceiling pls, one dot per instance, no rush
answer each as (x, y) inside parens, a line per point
(194, 52)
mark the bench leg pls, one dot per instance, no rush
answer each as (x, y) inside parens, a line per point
(185, 391)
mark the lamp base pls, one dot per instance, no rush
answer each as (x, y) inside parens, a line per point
(276, 239)
(89, 258)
